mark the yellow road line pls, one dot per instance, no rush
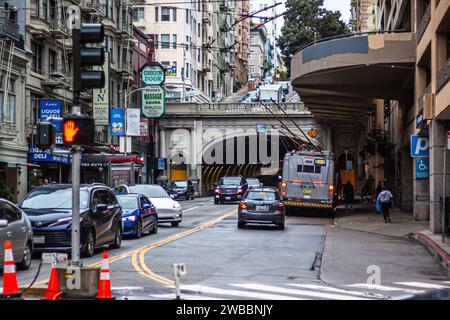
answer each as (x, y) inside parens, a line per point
(152, 245)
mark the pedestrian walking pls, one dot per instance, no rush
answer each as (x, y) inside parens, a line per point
(385, 197)
(349, 196)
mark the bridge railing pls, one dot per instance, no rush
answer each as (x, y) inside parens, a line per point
(234, 108)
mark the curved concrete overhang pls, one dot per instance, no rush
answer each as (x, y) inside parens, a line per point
(339, 78)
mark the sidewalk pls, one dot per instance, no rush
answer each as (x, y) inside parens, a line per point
(365, 219)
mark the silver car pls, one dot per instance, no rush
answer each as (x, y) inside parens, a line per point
(16, 226)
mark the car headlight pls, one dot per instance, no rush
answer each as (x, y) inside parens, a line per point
(62, 222)
(129, 218)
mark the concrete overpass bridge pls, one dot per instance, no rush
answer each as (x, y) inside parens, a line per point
(204, 142)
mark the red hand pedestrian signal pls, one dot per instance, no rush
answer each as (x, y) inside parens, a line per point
(70, 131)
(78, 130)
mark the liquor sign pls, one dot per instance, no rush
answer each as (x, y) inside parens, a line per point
(133, 122)
(100, 97)
(153, 102)
(153, 74)
(52, 109)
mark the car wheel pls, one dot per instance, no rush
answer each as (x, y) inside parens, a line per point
(241, 225)
(89, 245)
(117, 239)
(280, 226)
(26, 262)
(175, 223)
(138, 234)
(155, 228)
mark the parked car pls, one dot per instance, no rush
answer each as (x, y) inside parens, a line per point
(230, 189)
(16, 226)
(181, 189)
(168, 210)
(139, 215)
(253, 183)
(284, 86)
(262, 206)
(49, 208)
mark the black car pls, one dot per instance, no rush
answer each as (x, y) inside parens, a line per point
(49, 208)
(262, 206)
(181, 189)
(230, 189)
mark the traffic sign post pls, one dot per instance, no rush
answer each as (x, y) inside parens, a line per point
(420, 146)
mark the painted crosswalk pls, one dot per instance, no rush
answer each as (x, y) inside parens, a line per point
(306, 291)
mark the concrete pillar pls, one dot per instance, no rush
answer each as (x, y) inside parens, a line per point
(195, 165)
(438, 140)
(163, 150)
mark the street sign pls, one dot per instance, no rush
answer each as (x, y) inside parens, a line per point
(420, 146)
(153, 74)
(153, 102)
(422, 168)
(117, 122)
(161, 164)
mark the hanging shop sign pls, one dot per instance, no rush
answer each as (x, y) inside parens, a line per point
(100, 97)
(153, 102)
(153, 74)
(133, 122)
(117, 124)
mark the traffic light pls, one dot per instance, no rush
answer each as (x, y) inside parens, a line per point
(83, 57)
(78, 130)
(46, 135)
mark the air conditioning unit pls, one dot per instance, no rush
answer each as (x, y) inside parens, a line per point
(428, 106)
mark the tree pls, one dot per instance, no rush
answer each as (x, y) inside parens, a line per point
(306, 22)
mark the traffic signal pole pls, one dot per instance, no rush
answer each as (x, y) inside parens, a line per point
(76, 152)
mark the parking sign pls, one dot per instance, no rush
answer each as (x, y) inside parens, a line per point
(420, 146)
(422, 168)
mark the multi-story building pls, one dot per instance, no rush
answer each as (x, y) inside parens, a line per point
(49, 76)
(363, 15)
(257, 56)
(178, 32)
(14, 58)
(242, 40)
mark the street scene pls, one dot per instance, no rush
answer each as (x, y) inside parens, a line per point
(224, 150)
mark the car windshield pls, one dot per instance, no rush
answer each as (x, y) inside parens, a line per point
(230, 181)
(150, 191)
(261, 196)
(53, 198)
(128, 202)
(178, 184)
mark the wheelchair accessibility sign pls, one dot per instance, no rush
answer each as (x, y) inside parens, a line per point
(422, 169)
(420, 146)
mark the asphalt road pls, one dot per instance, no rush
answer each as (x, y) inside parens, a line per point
(310, 259)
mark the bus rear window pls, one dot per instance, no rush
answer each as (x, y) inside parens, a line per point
(309, 169)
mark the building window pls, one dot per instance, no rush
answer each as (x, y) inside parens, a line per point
(165, 41)
(52, 61)
(10, 114)
(199, 32)
(36, 63)
(187, 70)
(45, 9)
(156, 14)
(34, 8)
(174, 40)
(187, 15)
(52, 10)
(187, 43)
(138, 14)
(111, 49)
(156, 41)
(198, 55)
(174, 14)
(165, 14)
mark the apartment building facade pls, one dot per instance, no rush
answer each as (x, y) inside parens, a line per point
(257, 57)
(363, 15)
(242, 40)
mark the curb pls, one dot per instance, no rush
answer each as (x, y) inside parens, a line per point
(440, 254)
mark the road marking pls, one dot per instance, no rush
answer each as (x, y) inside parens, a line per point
(381, 288)
(332, 289)
(422, 285)
(237, 293)
(322, 295)
(184, 297)
(191, 209)
(146, 272)
(127, 288)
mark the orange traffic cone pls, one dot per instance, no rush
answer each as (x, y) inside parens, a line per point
(10, 285)
(104, 287)
(53, 284)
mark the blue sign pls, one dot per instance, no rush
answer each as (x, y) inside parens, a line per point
(420, 146)
(51, 109)
(261, 128)
(37, 155)
(161, 164)
(117, 122)
(422, 168)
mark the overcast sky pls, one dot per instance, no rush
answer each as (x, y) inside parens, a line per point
(342, 5)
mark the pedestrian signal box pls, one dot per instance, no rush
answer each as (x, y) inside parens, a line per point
(78, 130)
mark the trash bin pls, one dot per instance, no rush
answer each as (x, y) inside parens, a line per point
(90, 278)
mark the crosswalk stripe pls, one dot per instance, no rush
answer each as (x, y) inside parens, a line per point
(184, 297)
(331, 289)
(314, 294)
(422, 285)
(237, 293)
(381, 288)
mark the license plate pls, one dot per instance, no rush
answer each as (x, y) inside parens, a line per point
(39, 240)
(307, 196)
(227, 198)
(261, 208)
(307, 191)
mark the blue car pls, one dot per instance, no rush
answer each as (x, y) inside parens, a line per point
(139, 215)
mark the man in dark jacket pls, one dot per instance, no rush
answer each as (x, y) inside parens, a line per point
(349, 196)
